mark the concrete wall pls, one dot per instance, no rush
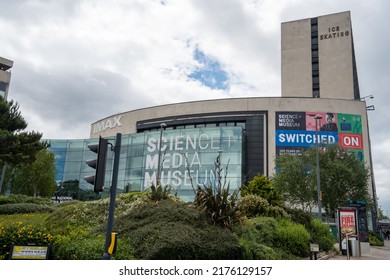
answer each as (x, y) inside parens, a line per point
(335, 56)
(296, 58)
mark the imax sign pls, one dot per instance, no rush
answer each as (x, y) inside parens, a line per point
(107, 124)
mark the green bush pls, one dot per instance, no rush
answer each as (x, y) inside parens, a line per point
(292, 238)
(77, 247)
(175, 230)
(258, 230)
(300, 217)
(270, 238)
(255, 251)
(81, 245)
(76, 225)
(320, 234)
(375, 239)
(21, 198)
(22, 208)
(20, 233)
(261, 186)
(256, 237)
(91, 214)
(254, 205)
(83, 214)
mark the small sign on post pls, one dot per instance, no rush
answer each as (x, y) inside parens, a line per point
(314, 249)
(30, 252)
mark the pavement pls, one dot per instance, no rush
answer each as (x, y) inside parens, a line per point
(374, 253)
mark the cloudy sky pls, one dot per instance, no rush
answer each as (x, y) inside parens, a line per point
(76, 62)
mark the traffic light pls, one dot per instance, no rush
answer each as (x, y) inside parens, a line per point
(99, 164)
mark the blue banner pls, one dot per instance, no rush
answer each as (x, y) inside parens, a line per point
(303, 138)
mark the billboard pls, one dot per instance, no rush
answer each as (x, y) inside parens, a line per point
(348, 225)
(297, 130)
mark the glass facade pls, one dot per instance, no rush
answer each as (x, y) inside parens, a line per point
(187, 159)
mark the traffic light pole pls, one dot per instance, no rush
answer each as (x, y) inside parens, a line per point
(110, 222)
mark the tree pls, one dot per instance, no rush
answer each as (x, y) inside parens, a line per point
(342, 176)
(293, 179)
(16, 145)
(68, 188)
(37, 178)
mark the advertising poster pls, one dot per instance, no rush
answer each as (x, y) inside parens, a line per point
(297, 130)
(347, 224)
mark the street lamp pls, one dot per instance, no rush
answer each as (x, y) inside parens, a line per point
(162, 125)
(364, 98)
(318, 118)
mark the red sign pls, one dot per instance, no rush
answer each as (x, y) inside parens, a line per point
(351, 141)
(347, 221)
(347, 225)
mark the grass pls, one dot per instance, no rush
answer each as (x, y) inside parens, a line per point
(32, 219)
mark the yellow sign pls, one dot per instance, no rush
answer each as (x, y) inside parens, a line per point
(29, 252)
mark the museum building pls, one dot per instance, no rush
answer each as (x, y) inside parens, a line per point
(320, 96)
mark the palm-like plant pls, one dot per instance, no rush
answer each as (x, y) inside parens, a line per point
(216, 202)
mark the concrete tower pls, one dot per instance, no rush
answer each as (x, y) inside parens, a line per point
(318, 58)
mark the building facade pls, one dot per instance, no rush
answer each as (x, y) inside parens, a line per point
(318, 58)
(247, 133)
(5, 76)
(319, 77)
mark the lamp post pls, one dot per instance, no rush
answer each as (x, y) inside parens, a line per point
(162, 125)
(318, 118)
(364, 98)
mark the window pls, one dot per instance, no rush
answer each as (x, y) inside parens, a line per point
(3, 87)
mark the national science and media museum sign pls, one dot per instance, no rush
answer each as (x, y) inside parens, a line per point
(187, 157)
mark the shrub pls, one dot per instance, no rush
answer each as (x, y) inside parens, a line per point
(22, 208)
(175, 230)
(83, 214)
(216, 202)
(253, 205)
(269, 238)
(292, 238)
(218, 205)
(91, 214)
(320, 234)
(375, 239)
(300, 217)
(20, 233)
(81, 245)
(262, 186)
(255, 251)
(157, 193)
(21, 198)
(77, 245)
(256, 236)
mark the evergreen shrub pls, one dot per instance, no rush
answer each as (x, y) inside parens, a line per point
(292, 238)
(175, 230)
(23, 208)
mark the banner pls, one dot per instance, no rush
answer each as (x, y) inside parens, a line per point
(295, 131)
